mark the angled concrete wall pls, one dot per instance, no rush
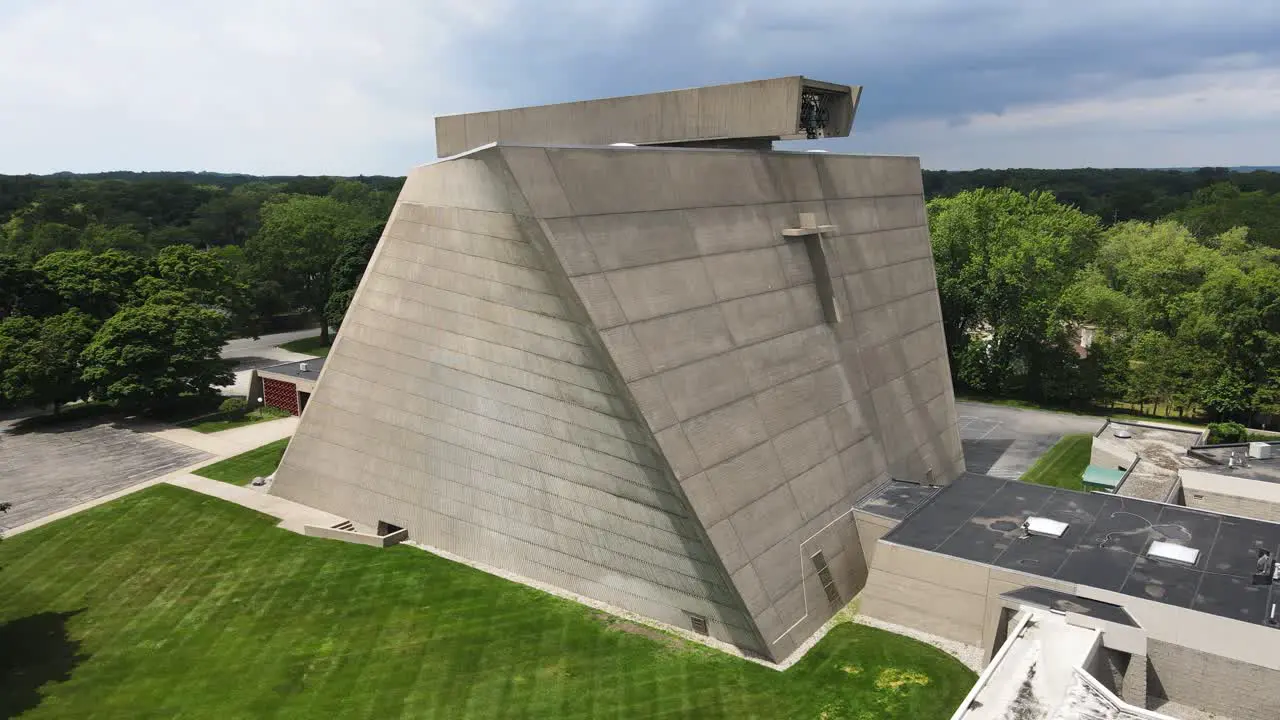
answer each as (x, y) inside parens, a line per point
(609, 370)
(464, 401)
(773, 419)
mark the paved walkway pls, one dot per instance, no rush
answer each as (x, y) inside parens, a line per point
(1006, 441)
(215, 447)
(45, 520)
(229, 442)
(292, 515)
(49, 468)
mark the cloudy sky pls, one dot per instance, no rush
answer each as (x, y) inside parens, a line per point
(351, 86)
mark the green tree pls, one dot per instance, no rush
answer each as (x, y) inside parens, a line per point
(23, 291)
(231, 217)
(1004, 261)
(299, 241)
(1160, 267)
(40, 358)
(97, 284)
(203, 276)
(172, 235)
(99, 238)
(47, 237)
(150, 355)
(1220, 207)
(348, 269)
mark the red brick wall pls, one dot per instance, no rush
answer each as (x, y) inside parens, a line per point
(280, 394)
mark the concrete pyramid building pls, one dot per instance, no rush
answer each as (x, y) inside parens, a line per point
(657, 376)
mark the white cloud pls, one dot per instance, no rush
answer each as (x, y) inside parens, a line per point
(335, 86)
(1224, 115)
(269, 86)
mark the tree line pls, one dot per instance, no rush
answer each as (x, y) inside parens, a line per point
(1171, 272)
(125, 292)
(1180, 313)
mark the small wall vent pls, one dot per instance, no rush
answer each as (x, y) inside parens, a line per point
(828, 583)
(1180, 554)
(1044, 527)
(699, 624)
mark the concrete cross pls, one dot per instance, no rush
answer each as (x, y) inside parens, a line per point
(812, 235)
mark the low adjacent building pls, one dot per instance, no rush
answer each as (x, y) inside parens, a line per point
(287, 386)
(1141, 459)
(1183, 606)
(1236, 478)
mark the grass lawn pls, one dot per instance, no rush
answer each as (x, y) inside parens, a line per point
(308, 346)
(168, 603)
(239, 470)
(1063, 466)
(219, 422)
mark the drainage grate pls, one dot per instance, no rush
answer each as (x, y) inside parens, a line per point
(828, 583)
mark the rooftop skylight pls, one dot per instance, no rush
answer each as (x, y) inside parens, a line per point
(1173, 553)
(1045, 527)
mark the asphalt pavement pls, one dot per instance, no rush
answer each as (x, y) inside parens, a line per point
(1006, 441)
(251, 354)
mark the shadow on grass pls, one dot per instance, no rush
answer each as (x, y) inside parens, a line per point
(69, 419)
(78, 417)
(34, 651)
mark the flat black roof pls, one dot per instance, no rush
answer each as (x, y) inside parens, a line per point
(979, 518)
(1066, 602)
(896, 499)
(1233, 459)
(293, 369)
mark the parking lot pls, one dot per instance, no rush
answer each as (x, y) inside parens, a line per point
(1005, 442)
(53, 468)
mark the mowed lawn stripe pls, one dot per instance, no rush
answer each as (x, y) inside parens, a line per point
(187, 606)
(242, 468)
(1064, 465)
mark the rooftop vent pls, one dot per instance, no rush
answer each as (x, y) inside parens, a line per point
(1260, 450)
(1122, 433)
(1045, 527)
(1180, 554)
(302, 367)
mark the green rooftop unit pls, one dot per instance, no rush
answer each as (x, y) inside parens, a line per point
(1103, 479)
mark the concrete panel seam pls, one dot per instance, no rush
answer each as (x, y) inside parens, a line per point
(501, 421)
(742, 205)
(756, 394)
(408, 238)
(509, 348)
(496, 306)
(520, 451)
(454, 271)
(438, 508)
(514, 480)
(483, 362)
